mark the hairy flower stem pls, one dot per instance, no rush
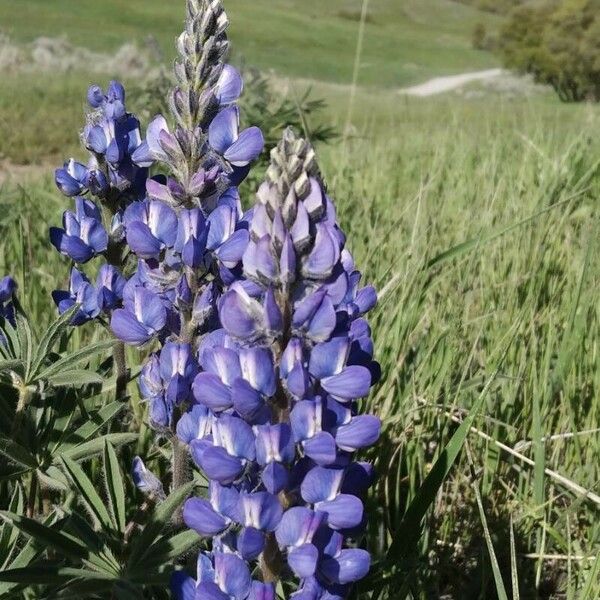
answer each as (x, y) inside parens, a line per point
(122, 375)
(32, 496)
(115, 258)
(271, 561)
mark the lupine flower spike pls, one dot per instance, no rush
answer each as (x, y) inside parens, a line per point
(274, 420)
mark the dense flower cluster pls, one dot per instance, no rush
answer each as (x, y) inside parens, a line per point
(264, 351)
(101, 190)
(273, 419)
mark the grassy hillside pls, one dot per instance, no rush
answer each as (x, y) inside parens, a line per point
(406, 41)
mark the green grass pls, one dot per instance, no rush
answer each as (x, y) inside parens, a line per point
(445, 173)
(406, 41)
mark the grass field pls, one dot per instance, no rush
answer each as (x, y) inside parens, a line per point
(405, 41)
(478, 222)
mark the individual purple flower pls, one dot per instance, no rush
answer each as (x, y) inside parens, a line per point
(142, 317)
(229, 86)
(110, 285)
(191, 238)
(232, 448)
(238, 148)
(151, 226)
(211, 516)
(146, 481)
(225, 238)
(80, 292)
(177, 370)
(151, 150)
(220, 576)
(8, 289)
(71, 179)
(83, 236)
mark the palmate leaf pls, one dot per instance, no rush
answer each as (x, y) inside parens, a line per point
(87, 492)
(51, 337)
(73, 359)
(29, 552)
(64, 543)
(164, 551)
(94, 447)
(158, 520)
(74, 378)
(9, 534)
(16, 454)
(52, 574)
(94, 422)
(115, 486)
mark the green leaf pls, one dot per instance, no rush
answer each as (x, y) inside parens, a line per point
(9, 534)
(51, 575)
(159, 518)
(68, 362)
(96, 446)
(78, 588)
(165, 550)
(10, 364)
(75, 378)
(51, 336)
(17, 454)
(87, 491)
(48, 536)
(26, 343)
(114, 485)
(29, 552)
(94, 423)
(53, 478)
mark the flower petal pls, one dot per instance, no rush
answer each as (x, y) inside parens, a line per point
(210, 391)
(303, 560)
(223, 130)
(352, 383)
(246, 148)
(199, 515)
(351, 565)
(128, 329)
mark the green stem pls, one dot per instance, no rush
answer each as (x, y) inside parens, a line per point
(32, 495)
(122, 374)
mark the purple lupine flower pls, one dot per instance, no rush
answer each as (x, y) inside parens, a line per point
(264, 351)
(8, 289)
(238, 148)
(71, 179)
(110, 285)
(83, 236)
(142, 317)
(146, 481)
(81, 292)
(113, 135)
(277, 445)
(151, 150)
(151, 226)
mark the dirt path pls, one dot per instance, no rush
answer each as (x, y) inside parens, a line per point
(438, 85)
